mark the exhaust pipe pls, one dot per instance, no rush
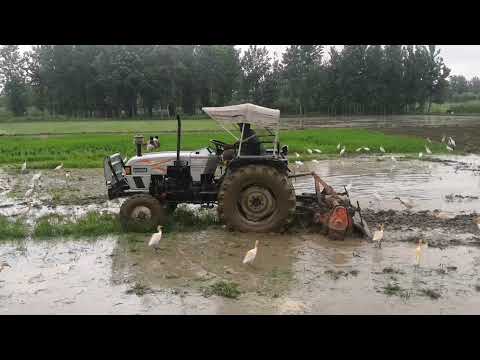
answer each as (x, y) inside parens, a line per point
(179, 135)
(139, 142)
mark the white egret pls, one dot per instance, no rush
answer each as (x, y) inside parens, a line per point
(310, 151)
(366, 149)
(251, 254)
(317, 151)
(59, 167)
(155, 239)
(378, 236)
(36, 177)
(427, 149)
(477, 221)
(24, 166)
(358, 149)
(29, 193)
(451, 142)
(342, 151)
(338, 146)
(420, 155)
(297, 155)
(408, 204)
(382, 149)
(418, 251)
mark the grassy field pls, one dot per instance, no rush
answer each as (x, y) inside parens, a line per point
(88, 151)
(466, 107)
(103, 126)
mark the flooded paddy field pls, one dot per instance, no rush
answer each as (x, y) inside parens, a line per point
(299, 272)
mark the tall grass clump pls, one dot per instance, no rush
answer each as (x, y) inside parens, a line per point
(184, 219)
(12, 229)
(92, 224)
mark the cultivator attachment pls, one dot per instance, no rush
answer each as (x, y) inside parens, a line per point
(331, 211)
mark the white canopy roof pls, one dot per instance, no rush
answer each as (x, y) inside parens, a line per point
(245, 113)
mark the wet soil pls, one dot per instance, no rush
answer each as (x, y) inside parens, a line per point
(294, 273)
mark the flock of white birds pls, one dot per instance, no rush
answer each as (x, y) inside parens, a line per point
(252, 253)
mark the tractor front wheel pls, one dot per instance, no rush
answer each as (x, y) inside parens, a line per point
(256, 198)
(142, 213)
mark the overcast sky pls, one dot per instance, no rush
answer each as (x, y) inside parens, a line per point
(462, 59)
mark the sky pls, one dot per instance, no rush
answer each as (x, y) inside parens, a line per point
(462, 59)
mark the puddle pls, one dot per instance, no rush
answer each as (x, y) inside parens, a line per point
(306, 274)
(293, 273)
(427, 184)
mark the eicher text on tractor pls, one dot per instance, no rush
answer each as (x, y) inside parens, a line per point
(249, 180)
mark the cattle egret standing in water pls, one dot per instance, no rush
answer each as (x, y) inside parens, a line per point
(378, 236)
(382, 149)
(477, 221)
(59, 167)
(251, 254)
(155, 239)
(451, 142)
(408, 204)
(418, 251)
(29, 192)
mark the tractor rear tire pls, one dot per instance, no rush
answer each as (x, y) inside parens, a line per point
(256, 198)
(142, 213)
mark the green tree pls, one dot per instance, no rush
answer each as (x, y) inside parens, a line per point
(13, 79)
(302, 64)
(255, 66)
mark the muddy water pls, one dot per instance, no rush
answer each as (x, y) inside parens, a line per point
(384, 122)
(452, 187)
(295, 273)
(292, 275)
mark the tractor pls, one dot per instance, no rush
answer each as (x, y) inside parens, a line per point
(249, 180)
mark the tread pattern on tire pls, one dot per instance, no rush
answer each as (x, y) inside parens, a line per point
(158, 212)
(268, 175)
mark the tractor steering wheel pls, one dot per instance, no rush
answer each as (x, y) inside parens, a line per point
(219, 145)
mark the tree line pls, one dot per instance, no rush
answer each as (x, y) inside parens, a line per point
(121, 80)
